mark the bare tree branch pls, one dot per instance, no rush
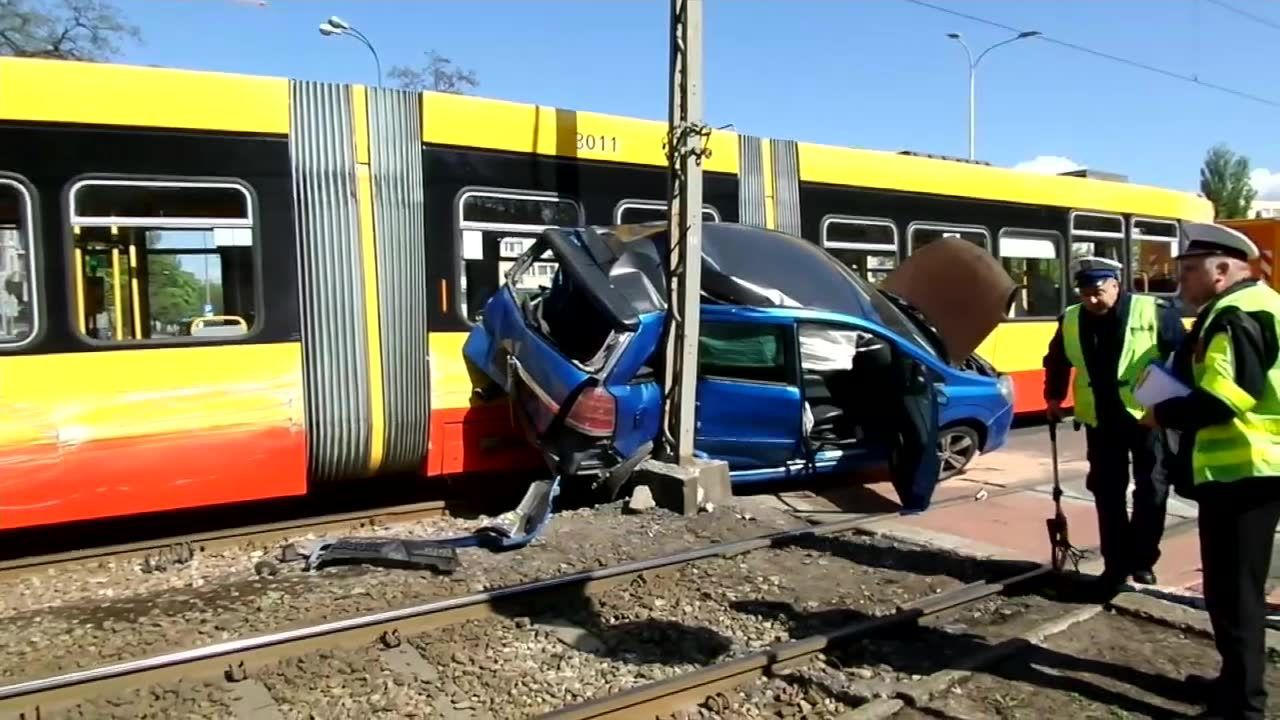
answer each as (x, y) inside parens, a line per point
(438, 74)
(89, 30)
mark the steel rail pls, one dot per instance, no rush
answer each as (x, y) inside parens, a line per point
(222, 538)
(667, 696)
(387, 626)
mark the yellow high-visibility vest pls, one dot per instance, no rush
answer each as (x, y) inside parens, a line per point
(1141, 346)
(1248, 445)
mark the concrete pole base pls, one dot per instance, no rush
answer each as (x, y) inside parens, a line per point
(685, 488)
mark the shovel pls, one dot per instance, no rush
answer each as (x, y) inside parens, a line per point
(1059, 535)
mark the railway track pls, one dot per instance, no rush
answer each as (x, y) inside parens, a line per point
(264, 534)
(666, 697)
(240, 658)
(260, 535)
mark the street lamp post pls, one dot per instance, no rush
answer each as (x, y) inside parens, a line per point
(337, 26)
(973, 67)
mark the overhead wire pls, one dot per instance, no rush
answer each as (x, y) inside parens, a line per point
(1245, 14)
(1104, 55)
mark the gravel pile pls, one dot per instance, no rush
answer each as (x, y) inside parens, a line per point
(90, 616)
(537, 659)
(651, 629)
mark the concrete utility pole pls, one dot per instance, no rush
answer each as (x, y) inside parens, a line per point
(679, 480)
(685, 149)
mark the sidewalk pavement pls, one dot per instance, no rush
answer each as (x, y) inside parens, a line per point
(1011, 496)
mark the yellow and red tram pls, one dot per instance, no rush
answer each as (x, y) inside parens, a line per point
(218, 288)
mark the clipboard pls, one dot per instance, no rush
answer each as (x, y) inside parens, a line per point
(1156, 384)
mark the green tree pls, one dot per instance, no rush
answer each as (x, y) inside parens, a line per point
(176, 294)
(1224, 179)
(438, 74)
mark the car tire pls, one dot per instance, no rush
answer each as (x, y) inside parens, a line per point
(957, 446)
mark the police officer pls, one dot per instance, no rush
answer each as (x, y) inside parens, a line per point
(1228, 452)
(1109, 337)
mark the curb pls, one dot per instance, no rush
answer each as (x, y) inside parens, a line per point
(1173, 615)
(921, 692)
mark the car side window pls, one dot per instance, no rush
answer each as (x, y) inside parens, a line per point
(744, 351)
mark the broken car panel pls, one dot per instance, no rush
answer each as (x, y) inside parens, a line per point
(797, 357)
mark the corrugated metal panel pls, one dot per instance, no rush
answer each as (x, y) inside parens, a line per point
(786, 184)
(395, 134)
(750, 181)
(321, 148)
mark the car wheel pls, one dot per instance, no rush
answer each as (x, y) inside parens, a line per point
(957, 446)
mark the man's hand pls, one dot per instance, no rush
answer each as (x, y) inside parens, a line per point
(1149, 420)
(1054, 411)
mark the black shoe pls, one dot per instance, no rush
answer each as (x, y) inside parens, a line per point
(1202, 690)
(1107, 585)
(1144, 577)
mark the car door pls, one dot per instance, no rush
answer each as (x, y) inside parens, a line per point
(903, 395)
(749, 408)
(915, 412)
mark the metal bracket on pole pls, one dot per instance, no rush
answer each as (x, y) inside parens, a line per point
(685, 146)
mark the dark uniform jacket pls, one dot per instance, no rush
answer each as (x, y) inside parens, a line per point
(1101, 339)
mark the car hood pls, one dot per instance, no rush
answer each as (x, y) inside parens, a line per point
(959, 287)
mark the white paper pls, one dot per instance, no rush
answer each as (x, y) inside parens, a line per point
(1156, 385)
(472, 245)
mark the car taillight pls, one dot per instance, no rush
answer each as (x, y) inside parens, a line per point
(593, 413)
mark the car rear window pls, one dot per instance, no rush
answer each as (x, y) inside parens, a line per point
(557, 307)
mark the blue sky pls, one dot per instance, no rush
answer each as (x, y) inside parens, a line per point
(865, 73)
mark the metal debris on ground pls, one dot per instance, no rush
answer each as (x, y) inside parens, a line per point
(509, 531)
(390, 552)
(515, 529)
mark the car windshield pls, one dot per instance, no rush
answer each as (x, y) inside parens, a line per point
(891, 315)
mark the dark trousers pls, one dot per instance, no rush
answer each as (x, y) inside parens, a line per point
(915, 464)
(1237, 524)
(1128, 544)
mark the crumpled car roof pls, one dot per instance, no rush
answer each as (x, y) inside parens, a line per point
(750, 266)
(961, 290)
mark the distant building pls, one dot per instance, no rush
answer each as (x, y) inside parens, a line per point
(1265, 209)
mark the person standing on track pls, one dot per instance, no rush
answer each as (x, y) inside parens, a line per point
(1228, 452)
(1109, 337)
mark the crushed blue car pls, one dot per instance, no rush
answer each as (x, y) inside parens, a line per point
(803, 365)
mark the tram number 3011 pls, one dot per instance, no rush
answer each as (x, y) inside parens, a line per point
(603, 143)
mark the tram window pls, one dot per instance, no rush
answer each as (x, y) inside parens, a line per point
(1033, 259)
(17, 265)
(868, 246)
(495, 228)
(1095, 235)
(630, 212)
(921, 234)
(163, 260)
(1152, 245)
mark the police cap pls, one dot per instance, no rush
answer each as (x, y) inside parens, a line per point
(1206, 239)
(1093, 271)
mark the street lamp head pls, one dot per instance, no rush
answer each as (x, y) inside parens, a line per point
(1028, 34)
(328, 29)
(954, 36)
(339, 23)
